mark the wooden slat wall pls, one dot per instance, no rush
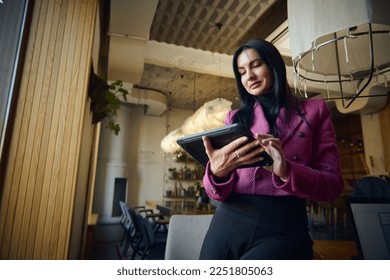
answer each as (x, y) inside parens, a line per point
(38, 198)
(84, 187)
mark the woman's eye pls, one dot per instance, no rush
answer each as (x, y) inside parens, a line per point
(257, 63)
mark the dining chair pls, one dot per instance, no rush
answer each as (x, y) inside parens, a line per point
(130, 234)
(124, 221)
(185, 236)
(372, 186)
(160, 221)
(149, 244)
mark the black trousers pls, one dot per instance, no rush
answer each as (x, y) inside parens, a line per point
(257, 227)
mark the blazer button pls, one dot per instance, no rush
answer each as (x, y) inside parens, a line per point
(301, 134)
(258, 176)
(295, 158)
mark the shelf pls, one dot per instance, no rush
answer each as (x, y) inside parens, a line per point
(179, 197)
(186, 179)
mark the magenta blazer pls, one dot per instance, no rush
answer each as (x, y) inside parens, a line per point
(311, 153)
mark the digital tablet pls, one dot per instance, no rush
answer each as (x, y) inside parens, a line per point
(370, 218)
(219, 137)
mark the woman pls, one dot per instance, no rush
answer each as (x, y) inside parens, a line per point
(262, 214)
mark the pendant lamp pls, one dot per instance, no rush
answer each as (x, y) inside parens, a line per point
(340, 42)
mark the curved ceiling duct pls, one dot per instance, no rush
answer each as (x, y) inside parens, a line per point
(154, 102)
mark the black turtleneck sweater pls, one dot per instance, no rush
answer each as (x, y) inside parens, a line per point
(270, 111)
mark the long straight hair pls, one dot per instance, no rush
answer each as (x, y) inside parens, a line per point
(280, 91)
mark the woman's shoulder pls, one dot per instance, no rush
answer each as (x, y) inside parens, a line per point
(230, 115)
(312, 104)
(233, 112)
(315, 109)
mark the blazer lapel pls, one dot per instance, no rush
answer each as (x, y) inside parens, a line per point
(260, 123)
(291, 127)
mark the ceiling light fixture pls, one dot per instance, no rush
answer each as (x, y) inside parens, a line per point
(340, 42)
(210, 115)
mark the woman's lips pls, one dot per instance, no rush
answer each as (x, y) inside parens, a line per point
(255, 84)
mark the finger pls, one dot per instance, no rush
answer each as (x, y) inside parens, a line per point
(273, 142)
(251, 146)
(207, 145)
(250, 158)
(250, 153)
(234, 145)
(263, 136)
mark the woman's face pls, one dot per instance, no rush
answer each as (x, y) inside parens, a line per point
(255, 75)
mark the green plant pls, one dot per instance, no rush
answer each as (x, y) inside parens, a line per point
(115, 91)
(181, 155)
(105, 100)
(173, 172)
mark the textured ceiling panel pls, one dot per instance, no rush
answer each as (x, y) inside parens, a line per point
(194, 23)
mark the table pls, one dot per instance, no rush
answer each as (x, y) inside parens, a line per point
(184, 207)
(334, 249)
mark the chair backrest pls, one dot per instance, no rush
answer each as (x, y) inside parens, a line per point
(185, 236)
(145, 228)
(125, 220)
(371, 186)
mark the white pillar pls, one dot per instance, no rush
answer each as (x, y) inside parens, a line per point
(373, 146)
(112, 163)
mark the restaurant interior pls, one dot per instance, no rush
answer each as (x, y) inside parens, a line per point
(109, 186)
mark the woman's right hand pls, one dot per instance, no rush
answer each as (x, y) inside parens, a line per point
(232, 155)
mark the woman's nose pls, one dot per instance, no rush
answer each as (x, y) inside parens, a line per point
(251, 75)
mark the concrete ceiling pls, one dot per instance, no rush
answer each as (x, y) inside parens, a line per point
(182, 49)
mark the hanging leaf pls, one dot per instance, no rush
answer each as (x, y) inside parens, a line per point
(106, 100)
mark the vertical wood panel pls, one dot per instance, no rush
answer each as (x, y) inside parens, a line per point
(46, 111)
(38, 198)
(44, 209)
(85, 34)
(35, 128)
(384, 118)
(56, 200)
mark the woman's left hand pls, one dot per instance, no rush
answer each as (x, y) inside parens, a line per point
(274, 149)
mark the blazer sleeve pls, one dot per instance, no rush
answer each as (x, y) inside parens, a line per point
(320, 180)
